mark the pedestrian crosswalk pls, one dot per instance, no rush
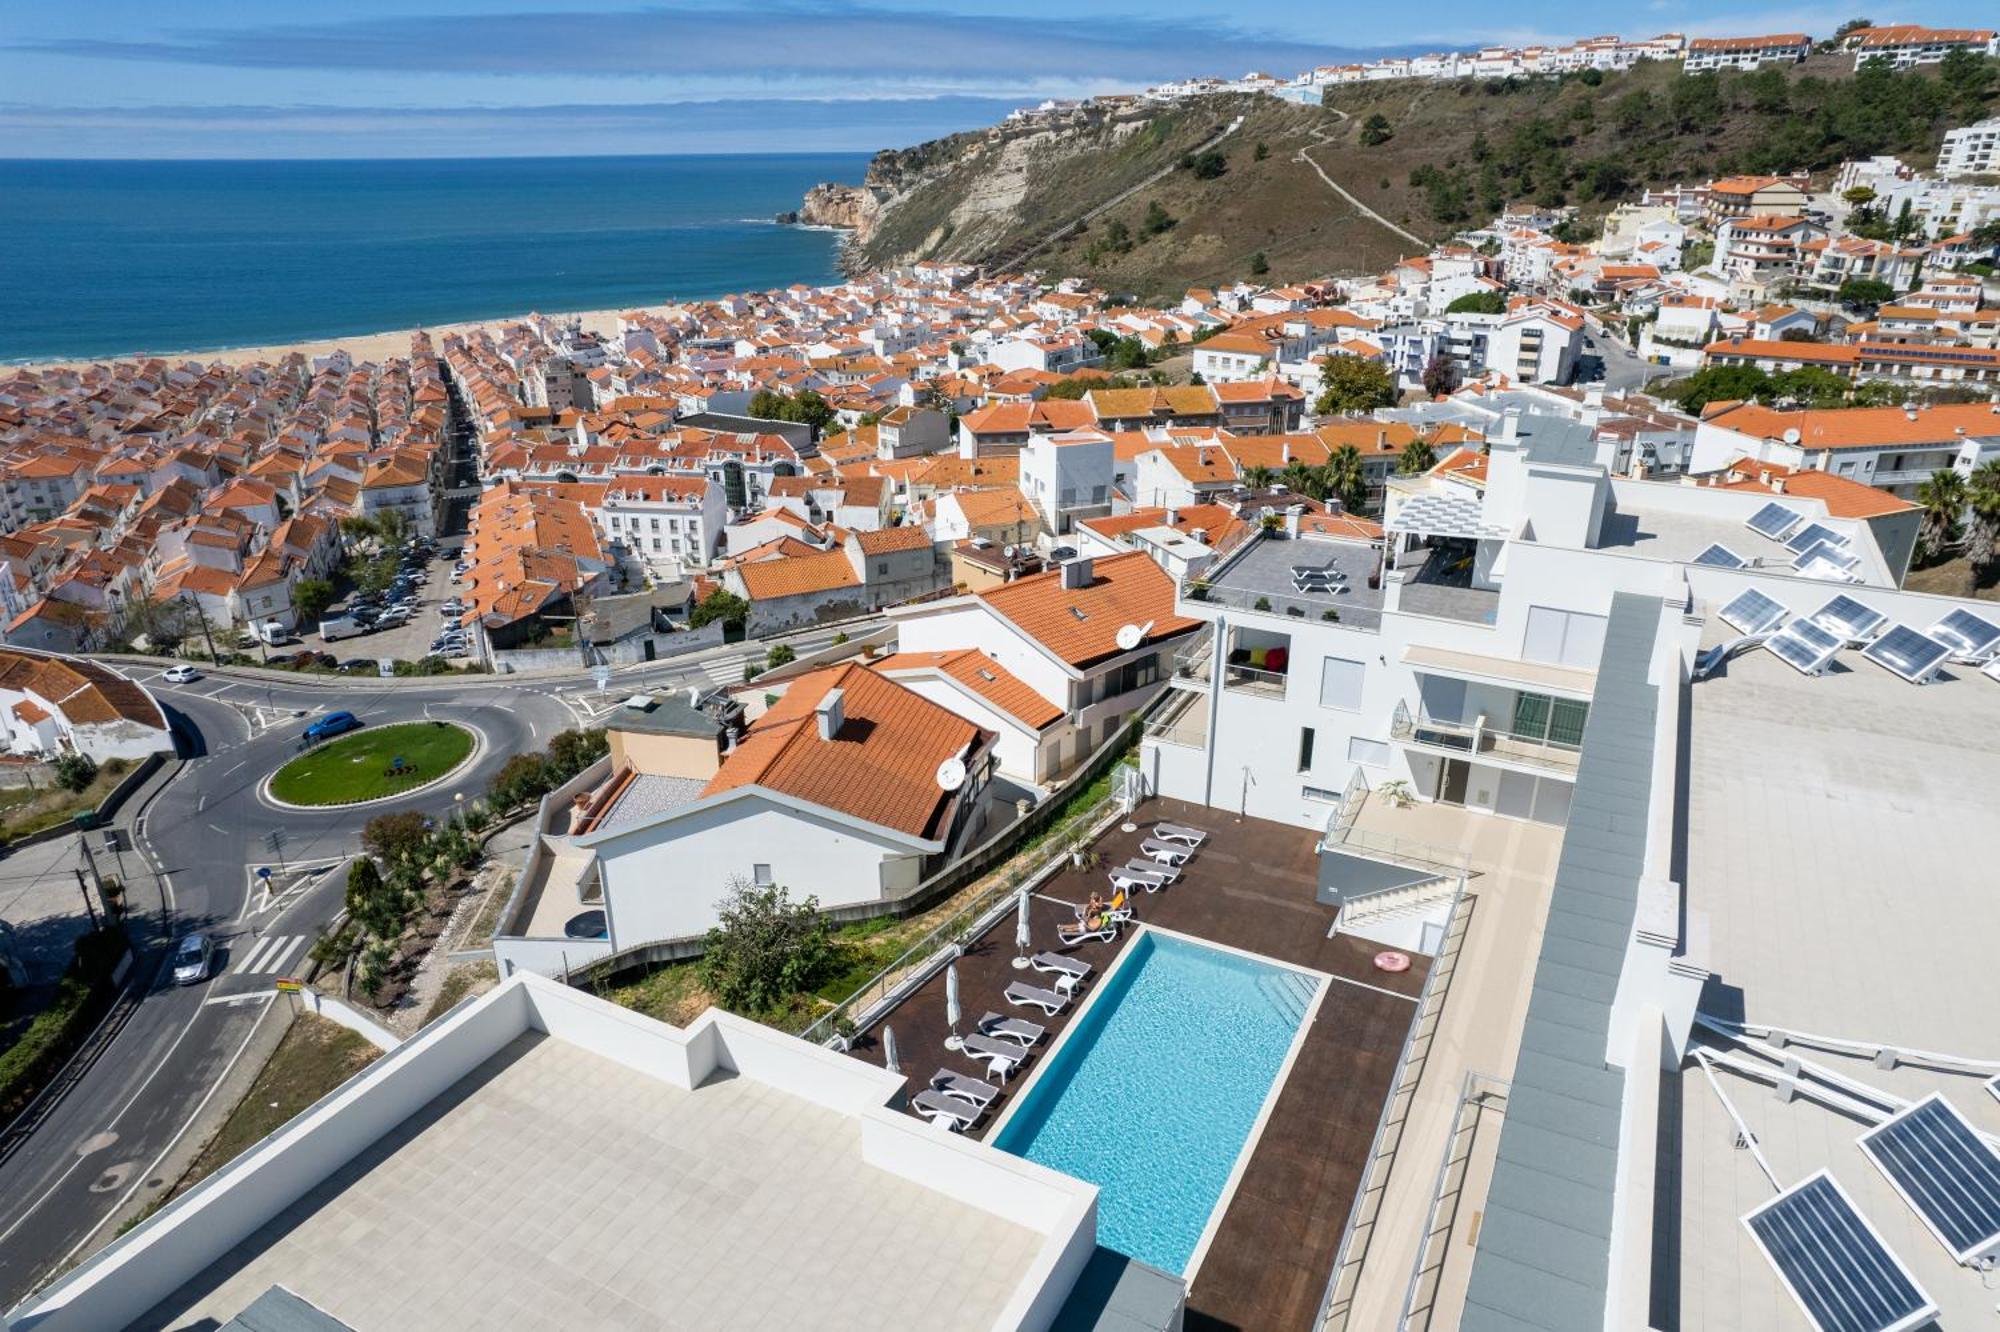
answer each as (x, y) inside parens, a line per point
(268, 956)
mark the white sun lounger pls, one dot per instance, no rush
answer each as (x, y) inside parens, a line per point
(1166, 853)
(1069, 972)
(1012, 1029)
(1001, 1057)
(1083, 932)
(965, 1088)
(1023, 995)
(1156, 875)
(955, 1114)
(1179, 832)
(1131, 881)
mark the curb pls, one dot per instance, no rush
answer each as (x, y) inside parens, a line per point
(472, 755)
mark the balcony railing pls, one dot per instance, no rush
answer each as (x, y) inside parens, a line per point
(1477, 740)
(1184, 723)
(1251, 680)
(1195, 662)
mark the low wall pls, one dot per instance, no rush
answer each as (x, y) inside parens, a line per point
(106, 808)
(333, 1010)
(625, 652)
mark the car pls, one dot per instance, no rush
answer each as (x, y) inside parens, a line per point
(191, 958)
(332, 724)
(182, 674)
(358, 666)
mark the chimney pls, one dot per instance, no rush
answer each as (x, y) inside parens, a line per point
(1510, 425)
(968, 446)
(1076, 573)
(1174, 514)
(831, 712)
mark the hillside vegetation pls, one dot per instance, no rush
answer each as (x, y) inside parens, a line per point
(1153, 200)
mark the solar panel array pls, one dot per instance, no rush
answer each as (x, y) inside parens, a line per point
(1811, 535)
(1826, 570)
(1947, 1173)
(1754, 613)
(1970, 637)
(1804, 646)
(1849, 618)
(1914, 656)
(1774, 520)
(1721, 557)
(1827, 550)
(1833, 1262)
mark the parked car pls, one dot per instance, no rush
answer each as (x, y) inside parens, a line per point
(181, 674)
(191, 958)
(332, 724)
(358, 666)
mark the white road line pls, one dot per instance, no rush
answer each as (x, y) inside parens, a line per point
(248, 963)
(229, 999)
(232, 768)
(279, 960)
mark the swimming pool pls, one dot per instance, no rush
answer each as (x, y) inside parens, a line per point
(1156, 1088)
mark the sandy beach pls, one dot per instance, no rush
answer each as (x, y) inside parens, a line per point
(362, 346)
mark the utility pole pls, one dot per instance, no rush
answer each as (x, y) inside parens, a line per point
(84, 888)
(208, 637)
(83, 846)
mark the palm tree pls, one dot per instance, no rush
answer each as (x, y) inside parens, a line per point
(1259, 477)
(1346, 478)
(1983, 499)
(1298, 476)
(1942, 498)
(1417, 456)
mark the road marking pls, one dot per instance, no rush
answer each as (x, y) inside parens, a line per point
(269, 956)
(232, 768)
(246, 964)
(281, 959)
(228, 999)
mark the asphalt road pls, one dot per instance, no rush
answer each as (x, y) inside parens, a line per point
(203, 827)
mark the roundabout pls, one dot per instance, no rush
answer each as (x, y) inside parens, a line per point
(373, 764)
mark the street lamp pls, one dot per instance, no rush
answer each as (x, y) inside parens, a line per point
(458, 808)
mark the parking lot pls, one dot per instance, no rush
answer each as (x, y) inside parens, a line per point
(404, 642)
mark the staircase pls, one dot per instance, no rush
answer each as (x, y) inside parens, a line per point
(1394, 903)
(1289, 992)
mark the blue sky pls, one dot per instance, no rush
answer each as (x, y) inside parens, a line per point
(380, 78)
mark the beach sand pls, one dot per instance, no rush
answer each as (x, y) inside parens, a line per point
(362, 347)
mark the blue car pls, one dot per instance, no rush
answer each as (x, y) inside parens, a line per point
(334, 723)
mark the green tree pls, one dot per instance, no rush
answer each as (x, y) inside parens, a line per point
(781, 654)
(1263, 150)
(1259, 265)
(398, 838)
(1858, 197)
(571, 751)
(1809, 386)
(1376, 129)
(75, 771)
(1479, 302)
(1721, 383)
(764, 948)
(805, 408)
(1158, 220)
(373, 902)
(1942, 496)
(1207, 165)
(1417, 456)
(1351, 384)
(1982, 500)
(310, 598)
(1864, 292)
(1346, 478)
(720, 605)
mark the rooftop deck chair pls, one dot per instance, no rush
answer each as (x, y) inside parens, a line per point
(1155, 875)
(1083, 931)
(1166, 853)
(1179, 832)
(1001, 1057)
(1128, 880)
(1020, 1030)
(1069, 972)
(1023, 995)
(965, 1088)
(953, 1113)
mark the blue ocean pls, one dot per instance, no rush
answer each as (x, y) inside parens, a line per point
(109, 258)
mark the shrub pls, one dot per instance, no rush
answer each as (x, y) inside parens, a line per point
(571, 751)
(522, 778)
(394, 838)
(781, 654)
(766, 948)
(74, 772)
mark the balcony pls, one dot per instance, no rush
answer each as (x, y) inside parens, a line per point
(1182, 722)
(1194, 664)
(1253, 680)
(1475, 740)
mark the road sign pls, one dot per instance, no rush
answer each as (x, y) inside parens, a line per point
(602, 676)
(385, 667)
(264, 873)
(286, 985)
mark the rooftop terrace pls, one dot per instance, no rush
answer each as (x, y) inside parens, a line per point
(1252, 886)
(1262, 571)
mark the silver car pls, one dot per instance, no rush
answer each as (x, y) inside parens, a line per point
(191, 958)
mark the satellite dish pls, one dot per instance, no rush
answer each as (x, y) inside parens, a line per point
(1130, 636)
(951, 774)
(1791, 435)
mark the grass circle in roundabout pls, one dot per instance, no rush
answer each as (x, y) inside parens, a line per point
(372, 763)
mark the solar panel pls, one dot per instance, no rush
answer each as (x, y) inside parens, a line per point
(1840, 556)
(1826, 571)
(1833, 1262)
(1970, 637)
(1849, 618)
(1908, 653)
(1753, 612)
(1774, 520)
(1945, 1171)
(1722, 557)
(1811, 535)
(1804, 646)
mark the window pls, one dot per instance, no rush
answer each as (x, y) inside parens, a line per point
(656, 524)
(1374, 753)
(656, 543)
(1305, 748)
(1340, 684)
(882, 568)
(1567, 638)
(761, 875)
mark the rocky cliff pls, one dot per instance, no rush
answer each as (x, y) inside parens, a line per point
(851, 207)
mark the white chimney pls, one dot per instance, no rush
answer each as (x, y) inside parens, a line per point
(1076, 573)
(1510, 425)
(1174, 514)
(832, 711)
(968, 445)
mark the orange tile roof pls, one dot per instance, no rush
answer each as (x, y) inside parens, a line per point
(880, 767)
(1862, 427)
(1080, 625)
(890, 539)
(984, 677)
(796, 574)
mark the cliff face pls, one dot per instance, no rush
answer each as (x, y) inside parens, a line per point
(830, 205)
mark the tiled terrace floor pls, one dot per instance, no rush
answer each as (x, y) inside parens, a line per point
(1251, 886)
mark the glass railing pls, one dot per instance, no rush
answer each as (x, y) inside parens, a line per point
(1476, 740)
(1249, 679)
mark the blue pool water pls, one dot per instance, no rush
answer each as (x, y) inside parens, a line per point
(1154, 1092)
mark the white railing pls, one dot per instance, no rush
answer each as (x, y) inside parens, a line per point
(1479, 740)
(1476, 1094)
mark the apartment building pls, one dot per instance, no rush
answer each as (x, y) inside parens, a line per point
(1971, 150)
(663, 521)
(1784, 48)
(1752, 196)
(1903, 45)
(1895, 449)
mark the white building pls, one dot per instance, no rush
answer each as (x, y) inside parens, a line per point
(1786, 48)
(1538, 342)
(663, 521)
(1068, 476)
(1971, 150)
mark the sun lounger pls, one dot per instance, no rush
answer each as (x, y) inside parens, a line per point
(965, 1087)
(1130, 881)
(1097, 927)
(1166, 853)
(1022, 995)
(1012, 1029)
(1179, 832)
(1069, 973)
(1155, 876)
(1001, 1057)
(955, 1114)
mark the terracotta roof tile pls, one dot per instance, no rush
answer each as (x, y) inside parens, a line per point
(1080, 625)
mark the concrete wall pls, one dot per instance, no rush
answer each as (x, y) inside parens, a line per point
(663, 755)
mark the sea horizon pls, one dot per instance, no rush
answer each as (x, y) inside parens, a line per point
(182, 257)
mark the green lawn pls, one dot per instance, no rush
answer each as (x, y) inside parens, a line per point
(357, 765)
